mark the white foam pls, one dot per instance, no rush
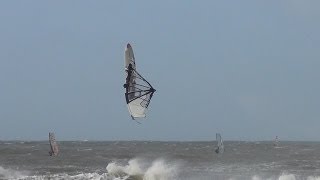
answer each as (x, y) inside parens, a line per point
(133, 168)
(160, 170)
(157, 170)
(313, 178)
(285, 176)
(141, 169)
(136, 169)
(11, 174)
(81, 176)
(256, 177)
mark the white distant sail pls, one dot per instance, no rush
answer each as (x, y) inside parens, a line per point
(138, 90)
(220, 148)
(53, 145)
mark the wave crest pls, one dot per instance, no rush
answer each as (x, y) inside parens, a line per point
(138, 169)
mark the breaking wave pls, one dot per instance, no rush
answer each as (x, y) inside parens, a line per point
(135, 169)
(138, 169)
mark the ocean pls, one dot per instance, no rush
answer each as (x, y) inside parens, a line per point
(156, 160)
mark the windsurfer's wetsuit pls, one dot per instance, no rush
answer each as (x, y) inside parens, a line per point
(129, 71)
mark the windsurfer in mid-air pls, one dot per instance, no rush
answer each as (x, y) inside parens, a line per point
(129, 71)
(138, 91)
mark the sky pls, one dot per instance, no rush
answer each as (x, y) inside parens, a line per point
(246, 69)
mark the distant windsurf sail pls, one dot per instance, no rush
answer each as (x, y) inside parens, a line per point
(53, 145)
(138, 90)
(220, 146)
(276, 141)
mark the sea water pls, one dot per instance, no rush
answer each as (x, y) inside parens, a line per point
(153, 160)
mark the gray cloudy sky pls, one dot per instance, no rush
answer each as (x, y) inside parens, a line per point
(247, 69)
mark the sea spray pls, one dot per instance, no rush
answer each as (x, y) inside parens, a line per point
(159, 169)
(132, 169)
(287, 177)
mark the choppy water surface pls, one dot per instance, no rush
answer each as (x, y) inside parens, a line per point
(146, 160)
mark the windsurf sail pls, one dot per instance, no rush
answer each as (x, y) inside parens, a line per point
(276, 141)
(138, 90)
(53, 145)
(220, 146)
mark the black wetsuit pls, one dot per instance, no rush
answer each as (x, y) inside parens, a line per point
(129, 70)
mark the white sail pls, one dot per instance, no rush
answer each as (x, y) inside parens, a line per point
(53, 145)
(220, 146)
(138, 90)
